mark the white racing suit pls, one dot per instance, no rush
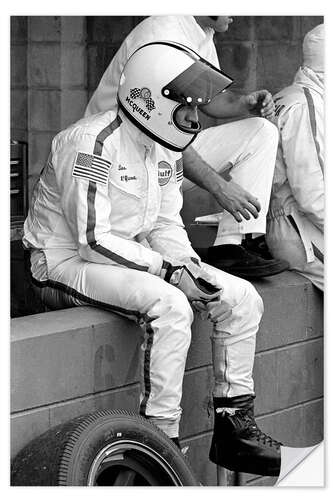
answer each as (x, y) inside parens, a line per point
(244, 149)
(295, 230)
(104, 215)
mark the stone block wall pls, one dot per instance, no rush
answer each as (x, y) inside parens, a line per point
(104, 37)
(19, 78)
(56, 81)
(263, 51)
(48, 84)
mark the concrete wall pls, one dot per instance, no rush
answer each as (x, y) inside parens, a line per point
(19, 78)
(49, 89)
(264, 51)
(75, 361)
(57, 62)
(104, 37)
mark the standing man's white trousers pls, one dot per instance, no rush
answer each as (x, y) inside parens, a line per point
(291, 236)
(246, 149)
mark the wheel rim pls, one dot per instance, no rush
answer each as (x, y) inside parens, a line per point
(130, 463)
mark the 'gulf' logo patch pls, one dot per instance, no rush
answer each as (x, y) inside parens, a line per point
(164, 173)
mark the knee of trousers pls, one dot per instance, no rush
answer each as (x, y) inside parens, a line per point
(177, 302)
(174, 312)
(245, 318)
(267, 131)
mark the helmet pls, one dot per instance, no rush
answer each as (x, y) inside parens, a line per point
(157, 80)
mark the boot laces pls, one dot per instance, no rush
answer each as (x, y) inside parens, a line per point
(254, 431)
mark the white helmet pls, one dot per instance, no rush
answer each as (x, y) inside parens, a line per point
(159, 78)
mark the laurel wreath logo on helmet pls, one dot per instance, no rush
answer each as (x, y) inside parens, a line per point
(145, 95)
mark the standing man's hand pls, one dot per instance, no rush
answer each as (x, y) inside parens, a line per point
(236, 200)
(228, 194)
(260, 103)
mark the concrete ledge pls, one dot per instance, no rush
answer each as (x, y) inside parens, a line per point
(78, 360)
(71, 353)
(293, 310)
(27, 424)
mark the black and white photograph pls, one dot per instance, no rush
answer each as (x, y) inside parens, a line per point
(167, 280)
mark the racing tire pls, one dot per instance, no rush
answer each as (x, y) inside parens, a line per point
(106, 448)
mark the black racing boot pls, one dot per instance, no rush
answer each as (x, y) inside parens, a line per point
(239, 261)
(238, 444)
(258, 246)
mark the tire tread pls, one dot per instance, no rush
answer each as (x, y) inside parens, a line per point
(45, 461)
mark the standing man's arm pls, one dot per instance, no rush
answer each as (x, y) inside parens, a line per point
(232, 197)
(227, 193)
(230, 105)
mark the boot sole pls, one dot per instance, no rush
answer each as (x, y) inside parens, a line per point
(234, 466)
(253, 273)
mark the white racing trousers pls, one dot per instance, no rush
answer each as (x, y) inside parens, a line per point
(246, 150)
(293, 237)
(165, 314)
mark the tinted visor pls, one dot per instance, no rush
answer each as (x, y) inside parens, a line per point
(197, 85)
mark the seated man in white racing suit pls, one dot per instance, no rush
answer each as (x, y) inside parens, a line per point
(104, 229)
(233, 161)
(296, 216)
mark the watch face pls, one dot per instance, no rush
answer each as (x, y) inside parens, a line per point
(175, 277)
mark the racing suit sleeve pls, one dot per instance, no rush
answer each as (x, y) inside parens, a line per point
(304, 169)
(87, 207)
(168, 236)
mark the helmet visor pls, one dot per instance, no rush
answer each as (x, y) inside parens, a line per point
(197, 85)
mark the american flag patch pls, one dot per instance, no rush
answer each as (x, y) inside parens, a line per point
(91, 167)
(179, 170)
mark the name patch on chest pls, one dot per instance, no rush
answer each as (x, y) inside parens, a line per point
(126, 178)
(164, 172)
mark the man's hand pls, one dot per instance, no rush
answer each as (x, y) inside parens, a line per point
(259, 103)
(215, 311)
(235, 200)
(200, 287)
(192, 280)
(218, 311)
